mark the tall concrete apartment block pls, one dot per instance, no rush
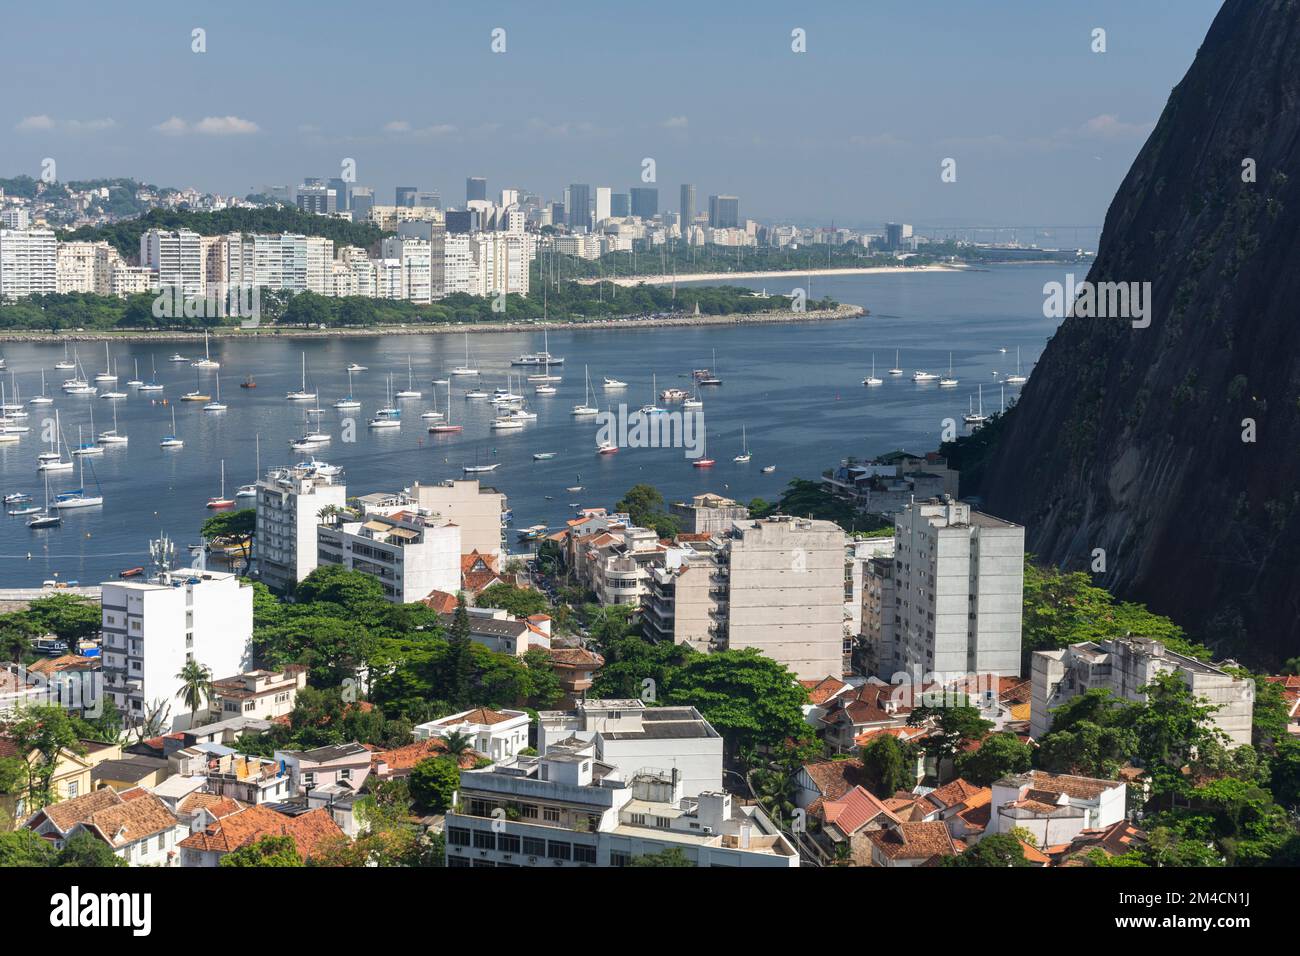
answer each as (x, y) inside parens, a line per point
(475, 509)
(28, 262)
(1122, 665)
(289, 503)
(786, 593)
(708, 513)
(959, 588)
(152, 628)
(177, 257)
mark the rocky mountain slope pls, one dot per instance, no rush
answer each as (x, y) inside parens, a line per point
(1139, 441)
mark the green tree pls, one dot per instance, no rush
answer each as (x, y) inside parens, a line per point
(998, 755)
(1171, 727)
(673, 856)
(84, 851)
(1285, 782)
(25, 848)
(458, 744)
(66, 616)
(460, 660)
(521, 602)
(360, 596)
(230, 524)
(196, 687)
(644, 504)
(433, 782)
(998, 849)
(46, 731)
(954, 727)
(265, 851)
(889, 765)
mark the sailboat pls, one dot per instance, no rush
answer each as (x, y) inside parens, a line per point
(410, 391)
(347, 401)
(389, 416)
(465, 369)
(87, 447)
(218, 405)
(896, 370)
(198, 395)
(703, 461)
(871, 379)
(206, 361)
(135, 379)
(77, 498)
(53, 459)
(585, 409)
(446, 427)
(152, 385)
(694, 401)
(41, 399)
(310, 438)
(171, 441)
(250, 491)
(652, 408)
(744, 455)
(432, 414)
(389, 408)
(973, 417)
(112, 436)
(65, 365)
(221, 501)
(948, 382)
(45, 519)
(1016, 379)
(77, 385)
(706, 376)
(302, 395)
(107, 375)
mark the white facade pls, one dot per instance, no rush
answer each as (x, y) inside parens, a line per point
(959, 590)
(176, 257)
(289, 502)
(1054, 807)
(408, 554)
(28, 262)
(413, 259)
(153, 628)
(476, 510)
(496, 734)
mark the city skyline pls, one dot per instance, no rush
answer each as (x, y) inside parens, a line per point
(877, 101)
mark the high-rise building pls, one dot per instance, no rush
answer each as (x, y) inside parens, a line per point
(687, 210)
(724, 212)
(361, 201)
(475, 509)
(897, 235)
(559, 215)
(153, 628)
(282, 262)
(342, 193)
(15, 217)
(602, 204)
(318, 198)
(645, 201)
(409, 554)
(579, 206)
(620, 205)
(460, 221)
(428, 199)
(177, 258)
(289, 503)
(414, 258)
(405, 196)
(958, 590)
(76, 267)
(434, 233)
(475, 188)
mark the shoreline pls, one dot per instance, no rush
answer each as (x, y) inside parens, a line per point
(716, 277)
(840, 312)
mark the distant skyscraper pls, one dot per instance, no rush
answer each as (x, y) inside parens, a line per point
(579, 206)
(361, 200)
(724, 212)
(405, 196)
(620, 205)
(558, 214)
(602, 203)
(645, 201)
(475, 188)
(429, 199)
(687, 208)
(342, 193)
(460, 221)
(318, 199)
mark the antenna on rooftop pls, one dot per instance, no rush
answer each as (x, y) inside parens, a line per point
(162, 551)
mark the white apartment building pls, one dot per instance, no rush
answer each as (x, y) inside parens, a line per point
(475, 509)
(289, 506)
(408, 553)
(630, 736)
(257, 695)
(602, 203)
(177, 258)
(503, 258)
(285, 262)
(460, 266)
(360, 272)
(15, 217)
(1122, 665)
(499, 734)
(785, 593)
(75, 267)
(28, 262)
(413, 258)
(959, 590)
(127, 280)
(1054, 807)
(570, 808)
(152, 628)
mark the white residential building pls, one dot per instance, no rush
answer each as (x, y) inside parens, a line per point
(408, 553)
(139, 828)
(461, 272)
(503, 258)
(289, 506)
(1054, 807)
(28, 262)
(499, 734)
(257, 695)
(475, 509)
(151, 629)
(413, 258)
(176, 257)
(75, 270)
(629, 736)
(959, 590)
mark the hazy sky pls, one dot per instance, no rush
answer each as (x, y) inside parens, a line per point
(852, 131)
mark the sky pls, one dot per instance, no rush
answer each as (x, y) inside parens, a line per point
(853, 131)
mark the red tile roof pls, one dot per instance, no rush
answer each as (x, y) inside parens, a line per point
(309, 830)
(441, 601)
(914, 841)
(820, 691)
(854, 810)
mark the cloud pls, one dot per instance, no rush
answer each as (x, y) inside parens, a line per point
(560, 130)
(1109, 126)
(225, 126)
(397, 126)
(676, 122)
(30, 124)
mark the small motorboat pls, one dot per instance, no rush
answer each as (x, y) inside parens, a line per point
(703, 463)
(248, 382)
(131, 573)
(768, 469)
(16, 497)
(543, 456)
(31, 510)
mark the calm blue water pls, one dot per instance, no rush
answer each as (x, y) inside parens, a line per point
(796, 388)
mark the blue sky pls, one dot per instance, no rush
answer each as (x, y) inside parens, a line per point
(852, 131)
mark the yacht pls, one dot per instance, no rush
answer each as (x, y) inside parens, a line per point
(768, 469)
(606, 448)
(207, 360)
(386, 421)
(217, 405)
(871, 379)
(114, 395)
(896, 370)
(465, 369)
(112, 436)
(389, 410)
(674, 395)
(41, 399)
(652, 408)
(152, 385)
(171, 441)
(45, 519)
(545, 390)
(919, 376)
(476, 393)
(586, 409)
(198, 395)
(135, 379)
(87, 448)
(543, 455)
(1016, 379)
(354, 367)
(744, 455)
(177, 357)
(506, 423)
(973, 417)
(65, 365)
(347, 401)
(221, 501)
(480, 469)
(107, 375)
(703, 463)
(53, 459)
(613, 384)
(410, 391)
(544, 357)
(446, 427)
(546, 378)
(77, 498)
(250, 490)
(302, 395)
(949, 381)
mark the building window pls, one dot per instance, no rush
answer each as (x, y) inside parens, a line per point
(556, 850)
(534, 846)
(619, 858)
(72, 788)
(551, 814)
(484, 840)
(508, 843)
(529, 811)
(457, 836)
(582, 853)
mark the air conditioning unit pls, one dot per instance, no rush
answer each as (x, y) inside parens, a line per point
(532, 859)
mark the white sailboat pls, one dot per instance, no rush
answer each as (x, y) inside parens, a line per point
(221, 501)
(41, 399)
(65, 365)
(217, 405)
(410, 391)
(465, 369)
(250, 490)
(85, 448)
(652, 408)
(152, 385)
(389, 416)
(446, 427)
(135, 380)
(112, 436)
(107, 375)
(744, 455)
(347, 401)
(948, 382)
(53, 459)
(172, 441)
(46, 519)
(896, 370)
(302, 395)
(544, 357)
(77, 498)
(871, 379)
(207, 360)
(1016, 379)
(586, 409)
(432, 414)
(973, 417)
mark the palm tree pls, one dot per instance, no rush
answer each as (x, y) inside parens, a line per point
(327, 514)
(458, 744)
(196, 687)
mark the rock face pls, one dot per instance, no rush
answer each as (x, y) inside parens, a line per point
(1175, 448)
